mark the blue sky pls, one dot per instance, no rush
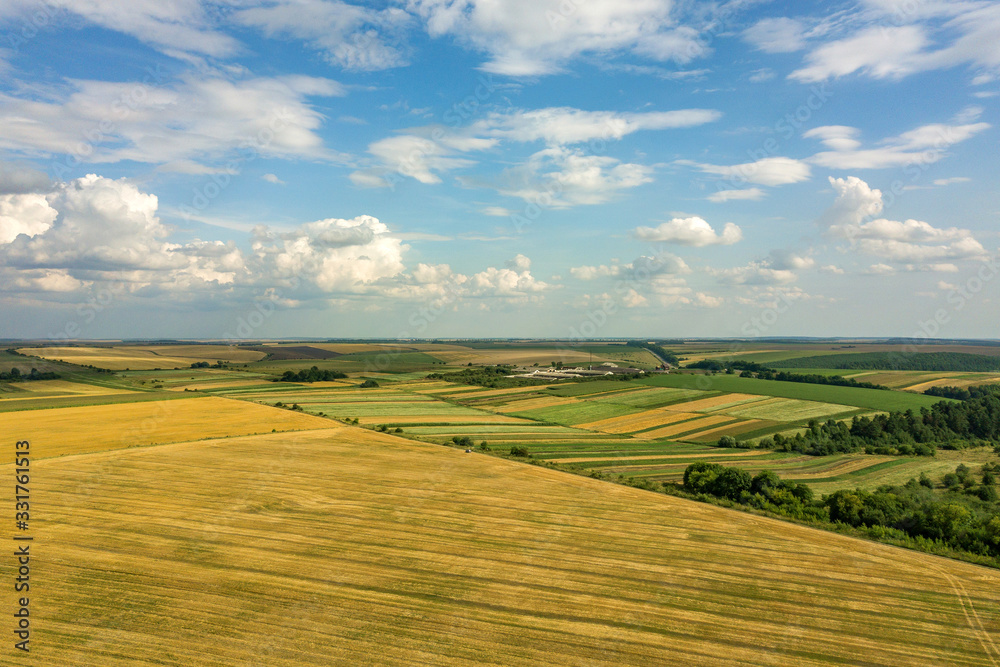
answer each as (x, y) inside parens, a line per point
(444, 168)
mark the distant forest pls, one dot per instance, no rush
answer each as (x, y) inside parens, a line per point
(897, 361)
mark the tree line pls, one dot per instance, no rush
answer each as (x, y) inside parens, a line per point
(965, 515)
(947, 425)
(313, 374)
(658, 350)
(752, 369)
(898, 361)
(15, 375)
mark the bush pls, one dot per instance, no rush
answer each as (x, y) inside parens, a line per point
(519, 451)
(728, 441)
(369, 384)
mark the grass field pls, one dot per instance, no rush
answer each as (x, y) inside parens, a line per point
(249, 551)
(63, 431)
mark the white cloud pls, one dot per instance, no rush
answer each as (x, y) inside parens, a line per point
(880, 270)
(198, 119)
(177, 28)
(349, 36)
(708, 301)
(761, 75)
(16, 178)
(755, 273)
(593, 272)
(663, 267)
(767, 171)
(952, 180)
(923, 145)
(748, 194)
(28, 214)
(882, 52)
(837, 137)
(497, 211)
(536, 37)
(909, 241)
(776, 35)
(562, 177)
(785, 260)
(564, 125)
(689, 231)
(832, 269)
(271, 178)
(917, 44)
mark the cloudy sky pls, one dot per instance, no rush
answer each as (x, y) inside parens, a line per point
(422, 168)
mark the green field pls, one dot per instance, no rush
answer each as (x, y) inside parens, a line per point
(873, 399)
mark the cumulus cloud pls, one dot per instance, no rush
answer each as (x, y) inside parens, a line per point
(349, 36)
(755, 273)
(271, 178)
(767, 171)
(905, 242)
(640, 270)
(199, 118)
(28, 214)
(18, 178)
(95, 230)
(692, 231)
(535, 38)
(924, 145)
(564, 177)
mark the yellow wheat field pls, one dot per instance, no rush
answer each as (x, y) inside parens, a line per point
(485, 418)
(685, 427)
(536, 403)
(61, 431)
(638, 421)
(716, 402)
(344, 547)
(143, 358)
(58, 388)
(729, 429)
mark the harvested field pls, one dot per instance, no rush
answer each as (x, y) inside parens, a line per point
(536, 403)
(144, 357)
(65, 388)
(638, 421)
(62, 431)
(713, 434)
(413, 554)
(484, 418)
(686, 427)
(716, 403)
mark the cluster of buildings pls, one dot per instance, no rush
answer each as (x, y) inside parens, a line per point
(607, 368)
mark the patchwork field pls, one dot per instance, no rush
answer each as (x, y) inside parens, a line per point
(144, 357)
(249, 551)
(63, 431)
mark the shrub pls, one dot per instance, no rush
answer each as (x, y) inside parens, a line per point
(368, 384)
(519, 451)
